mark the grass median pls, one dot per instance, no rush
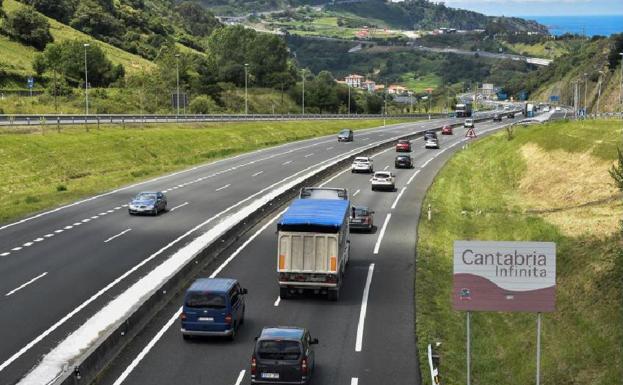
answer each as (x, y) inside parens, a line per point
(549, 183)
(41, 170)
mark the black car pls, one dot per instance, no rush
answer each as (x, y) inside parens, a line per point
(361, 218)
(403, 161)
(497, 117)
(283, 355)
(511, 115)
(345, 135)
(430, 134)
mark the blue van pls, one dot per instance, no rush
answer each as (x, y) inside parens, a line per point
(213, 307)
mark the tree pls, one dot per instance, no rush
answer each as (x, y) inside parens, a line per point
(29, 27)
(617, 171)
(94, 19)
(60, 10)
(196, 19)
(203, 105)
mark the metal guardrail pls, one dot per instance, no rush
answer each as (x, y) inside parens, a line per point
(64, 119)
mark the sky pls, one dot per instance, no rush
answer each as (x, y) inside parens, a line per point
(540, 7)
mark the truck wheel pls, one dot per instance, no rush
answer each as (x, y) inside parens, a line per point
(334, 295)
(284, 293)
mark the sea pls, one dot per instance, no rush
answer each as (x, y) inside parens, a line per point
(590, 25)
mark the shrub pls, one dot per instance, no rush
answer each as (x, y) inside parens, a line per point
(203, 105)
(29, 27)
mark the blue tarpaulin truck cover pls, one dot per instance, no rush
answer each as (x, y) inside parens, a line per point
(329, 213)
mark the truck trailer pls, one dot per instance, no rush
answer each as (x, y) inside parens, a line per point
(463, 110)
(313, 247)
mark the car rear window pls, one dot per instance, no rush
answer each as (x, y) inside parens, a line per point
(206, 300)
(279, 350)
(359, 212)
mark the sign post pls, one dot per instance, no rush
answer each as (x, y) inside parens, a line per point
(31, 84)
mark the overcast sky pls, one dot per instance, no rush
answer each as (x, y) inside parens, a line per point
(540, 7)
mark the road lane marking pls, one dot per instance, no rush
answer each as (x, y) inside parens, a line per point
(364, 308)
(240, 377)
(284, 163)
(398, 197)
(117, 236)
(308, 155)
(382, 233)
(94, 217)
(177, 314)
(18, 248)
(102, 214)
(86, 220)
(68, 227)
(426, 163)
(118, 207)
(25, 284)
(27, 244)
(257, 173)
(412, 177)
(5, 254)
(39, 239)
(277, 301)
(356, 192)
(223, 188)
(49, 235)
(329, 148)
(177, 207)
(368, 138)
(386, 167)
(354, 381)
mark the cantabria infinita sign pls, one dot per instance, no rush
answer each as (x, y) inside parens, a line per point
(504, 276)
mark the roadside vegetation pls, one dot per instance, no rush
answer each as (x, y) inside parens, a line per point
(549, 183)
(41, 170)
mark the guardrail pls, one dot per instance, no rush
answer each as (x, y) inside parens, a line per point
(64, 119)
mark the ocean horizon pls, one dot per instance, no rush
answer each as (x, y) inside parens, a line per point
(590, 25)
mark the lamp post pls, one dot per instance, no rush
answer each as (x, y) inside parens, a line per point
(177, 78)
(303, 92)
(585, 89)
(598, 92)
(246, 94)
(348, 99)
(621, 91)
(86, 81)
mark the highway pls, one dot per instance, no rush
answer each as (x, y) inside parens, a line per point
(59, 267)
(367, 337)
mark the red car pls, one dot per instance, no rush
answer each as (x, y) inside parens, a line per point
(403, 145)
(446, 130)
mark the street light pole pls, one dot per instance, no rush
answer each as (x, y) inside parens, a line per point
(621, 91)
(303, 92)
(349, 99)
(598, 92)
(177, 78)
(86, 80)
(246, 94)
(585, 89)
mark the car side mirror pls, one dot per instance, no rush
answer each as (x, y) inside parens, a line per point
(314, 341)
(244, 291)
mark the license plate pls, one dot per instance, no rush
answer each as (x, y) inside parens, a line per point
(271, 375)
(208, 319)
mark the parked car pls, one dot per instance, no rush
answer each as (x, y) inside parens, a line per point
(468, 123)
(148, 203)
(213, 307)
(430, 134)
(361, 218)
(497, 117)
(383, 180)
(403, 145)
(447, 130)
(431, 143)
(362, 164)
(346, 135)
(283, 355)
(403, 161)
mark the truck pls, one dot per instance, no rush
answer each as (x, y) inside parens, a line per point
(313, 239)
(463, 110)
(529, 110)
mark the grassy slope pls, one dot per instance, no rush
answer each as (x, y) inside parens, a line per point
(21, 56)
(583, 339)
(35, 165)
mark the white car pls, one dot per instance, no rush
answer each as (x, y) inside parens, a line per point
(468, 123)
(362, 164)
(546, 109)
(558, 108)
(431, 143)
(383, 180)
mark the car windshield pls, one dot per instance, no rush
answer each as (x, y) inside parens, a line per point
(204, 299)
(344, 132)
(146, 197)
(279, 350)
(360, 212)
(364, 160)
(402, 157)
(381, 175)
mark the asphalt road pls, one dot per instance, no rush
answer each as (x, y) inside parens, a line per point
(386, 257)
(59, 267)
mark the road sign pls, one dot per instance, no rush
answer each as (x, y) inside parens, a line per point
(504, 276)
(554, 98)
(471, 133)
(31, 82)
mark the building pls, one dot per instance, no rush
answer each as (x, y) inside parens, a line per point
(396, 89)
(487, 90)
(354, 80)
(369, 85)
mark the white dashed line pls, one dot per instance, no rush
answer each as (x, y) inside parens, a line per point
(102, 214)
(412, 177)
(86, 220)
(308, 155)
(5, 254)
(257, 173)
(177, 207)
(18, 248)
(381, 234)
(59, 231)
(277, 301)
(124, 205)
(356, 192)
(48, 235)
(364, 308)
(110, 211)
(398, 197)
(77, 224)
(94, 217)
(39, 239)
(25, 284)
(68, 227)
(329, 148)
(118, 207)
(118, 235)
(223, 188)
(284, 163)
(27, 244)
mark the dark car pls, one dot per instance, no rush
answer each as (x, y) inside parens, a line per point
(511, 115)
(497, 117)
(345, 135)
(403, 145)
(430, 134)
(283, 355)
(447, 130)
(148, 203)
(403, 161)
(361, 218)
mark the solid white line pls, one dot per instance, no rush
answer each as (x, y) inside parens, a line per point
(177, 207)
(223, 188)
(117, 236)
(412, 177)
(356, 192)
(398, 197)
(386, 167)
(277, 301)
(308, 155)
(284, 163)
(26, 284)
(240, 377)
(354, 381)
(5, 254)
(382, 233)
(364, 308)
(175, 316)
(257, 173)
(425, 163)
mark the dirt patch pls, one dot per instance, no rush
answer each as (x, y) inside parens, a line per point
(574, 191)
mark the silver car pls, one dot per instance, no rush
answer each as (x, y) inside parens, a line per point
(148, 203)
